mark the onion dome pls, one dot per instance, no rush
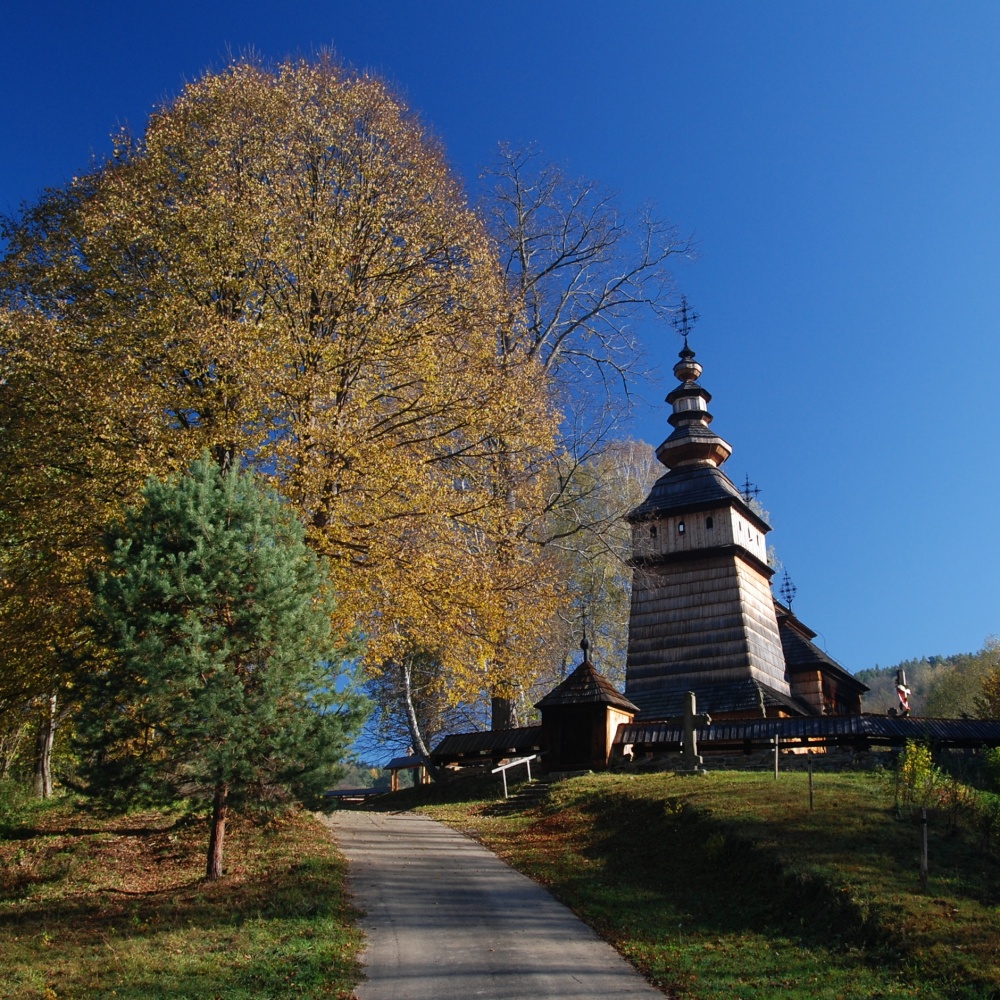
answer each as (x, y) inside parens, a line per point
(692, 443)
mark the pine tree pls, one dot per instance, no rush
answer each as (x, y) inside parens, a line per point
(220, 678)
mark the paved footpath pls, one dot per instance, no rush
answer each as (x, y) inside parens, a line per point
(448, 920)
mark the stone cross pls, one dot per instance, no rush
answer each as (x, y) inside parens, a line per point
(689, 751)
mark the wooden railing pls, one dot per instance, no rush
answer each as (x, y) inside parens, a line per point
(514, 763)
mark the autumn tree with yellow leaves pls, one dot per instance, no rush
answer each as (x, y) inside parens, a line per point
(283, 271)
(71, 452)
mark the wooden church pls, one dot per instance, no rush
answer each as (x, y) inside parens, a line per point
(703, 617)
(702, 620)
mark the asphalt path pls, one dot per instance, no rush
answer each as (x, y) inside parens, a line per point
(448, 920)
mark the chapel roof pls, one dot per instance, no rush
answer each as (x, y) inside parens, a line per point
(586, 686)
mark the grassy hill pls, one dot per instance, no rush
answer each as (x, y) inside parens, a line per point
(118, 907)
(722, 887)
(729, 887)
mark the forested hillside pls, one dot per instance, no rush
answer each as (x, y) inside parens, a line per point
(921, 676)
(940, 686)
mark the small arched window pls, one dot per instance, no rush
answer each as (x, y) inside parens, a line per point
(709, 523)
(652, 531)
(680, 528)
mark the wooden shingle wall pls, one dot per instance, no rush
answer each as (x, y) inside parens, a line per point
(807, 686)
(767, 659)
(702, 621)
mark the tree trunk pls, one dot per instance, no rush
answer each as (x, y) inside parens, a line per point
(503, 710)
(412, 722)
(220, 809)
(222, 455)
(43, 750)
(503, 713)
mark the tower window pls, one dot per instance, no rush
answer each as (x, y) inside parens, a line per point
(708, 523)
(652, 531)
(680, 528)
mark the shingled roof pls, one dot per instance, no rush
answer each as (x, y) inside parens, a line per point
(586, 686)
(801, 653)
(744, 694)
(491, 742)
(687, 489)
(832, 729)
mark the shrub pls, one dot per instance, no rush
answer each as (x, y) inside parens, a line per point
(992, 767)
(918, 780)
(16, 802)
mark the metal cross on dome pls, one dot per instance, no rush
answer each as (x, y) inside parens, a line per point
(685, 322)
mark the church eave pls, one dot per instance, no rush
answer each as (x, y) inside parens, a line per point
(690, 489)
(802, 656)
(696, 555)
(747, 697)
(688, 389)
(832, 668)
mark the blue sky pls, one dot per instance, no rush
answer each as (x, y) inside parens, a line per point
(836, 163)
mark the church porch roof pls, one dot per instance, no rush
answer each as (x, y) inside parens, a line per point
(492, 741)
(802, 654)
(745, 695)
(831, 729)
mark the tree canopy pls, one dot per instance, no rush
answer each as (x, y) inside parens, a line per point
(218, 675)
(987, 701)
(282, 270)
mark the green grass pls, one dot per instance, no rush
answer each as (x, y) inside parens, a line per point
(729, 887)
(119, 908)
(723, 887)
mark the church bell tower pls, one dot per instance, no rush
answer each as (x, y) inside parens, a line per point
(702, 616)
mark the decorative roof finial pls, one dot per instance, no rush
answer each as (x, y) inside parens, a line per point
(684, 323)
(788, 590)
(749, 490)
(585, 642)
(691, 443)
